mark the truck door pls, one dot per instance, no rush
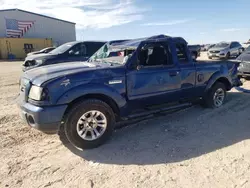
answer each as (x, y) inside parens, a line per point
(155, 79)
(187, 70)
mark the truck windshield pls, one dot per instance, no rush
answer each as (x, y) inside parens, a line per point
(107, 54)
(222, 45)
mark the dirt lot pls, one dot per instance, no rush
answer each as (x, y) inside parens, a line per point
(194, 147)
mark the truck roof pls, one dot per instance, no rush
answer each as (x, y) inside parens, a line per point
(134, 43)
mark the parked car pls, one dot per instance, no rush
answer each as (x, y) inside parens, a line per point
(225, 50)
(195, 50)
(71, 51)
(84, 100)
(208, 46)
(42, 51)
(244, 68)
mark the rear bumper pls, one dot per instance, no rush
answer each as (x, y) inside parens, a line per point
(46, 119)
(237, 82)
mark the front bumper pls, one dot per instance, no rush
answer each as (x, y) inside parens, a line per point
(46, 119)
(246, 74)
(244, 69)
(216, 55)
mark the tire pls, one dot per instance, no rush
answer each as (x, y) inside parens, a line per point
(86, 113)
(228, 55)
(210, 100)
(209, 57)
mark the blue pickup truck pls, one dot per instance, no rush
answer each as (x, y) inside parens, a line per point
(119, 82)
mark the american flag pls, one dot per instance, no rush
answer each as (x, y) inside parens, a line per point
(16, 28)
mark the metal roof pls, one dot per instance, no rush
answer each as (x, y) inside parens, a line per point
(15, 9)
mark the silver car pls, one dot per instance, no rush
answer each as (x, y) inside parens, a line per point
(225, 50)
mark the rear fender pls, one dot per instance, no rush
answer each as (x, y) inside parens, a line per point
(218, 77)
(81, 91)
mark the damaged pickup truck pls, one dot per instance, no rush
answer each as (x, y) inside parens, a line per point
(135, 78)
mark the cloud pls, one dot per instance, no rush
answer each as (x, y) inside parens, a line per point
(173, 22)
(231, 29)
(85, 13)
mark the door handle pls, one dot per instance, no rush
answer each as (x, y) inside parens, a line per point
(173, 73)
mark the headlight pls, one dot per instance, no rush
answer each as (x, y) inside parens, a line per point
(36, 93)
(39, 61)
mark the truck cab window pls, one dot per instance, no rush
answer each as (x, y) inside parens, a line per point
(75, 50)
(181, 53)
(154, 55)
(83, 50)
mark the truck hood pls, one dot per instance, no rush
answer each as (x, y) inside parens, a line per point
(40, 56)
(217, 49)
(45, 73)
(33, 53)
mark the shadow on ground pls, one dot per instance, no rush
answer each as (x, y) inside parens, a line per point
(178, 136)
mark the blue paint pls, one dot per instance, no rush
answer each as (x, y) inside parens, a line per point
(136, 88)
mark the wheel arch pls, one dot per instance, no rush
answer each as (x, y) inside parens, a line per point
(111, 102)
(224, 81)
(217, 77)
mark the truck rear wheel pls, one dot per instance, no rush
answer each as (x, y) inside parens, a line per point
(216, 96)
(89, 124)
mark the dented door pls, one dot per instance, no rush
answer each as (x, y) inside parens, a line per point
(154, 84)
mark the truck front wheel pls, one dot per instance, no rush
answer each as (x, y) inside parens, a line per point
(89, 124)
(216, 96)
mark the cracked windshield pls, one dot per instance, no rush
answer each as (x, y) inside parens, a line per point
(112, 54)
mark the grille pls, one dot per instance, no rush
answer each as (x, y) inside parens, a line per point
(216, 52)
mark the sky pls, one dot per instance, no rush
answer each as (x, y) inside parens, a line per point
(198, 21)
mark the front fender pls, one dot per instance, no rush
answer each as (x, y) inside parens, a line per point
(80, 91)
(216, 76)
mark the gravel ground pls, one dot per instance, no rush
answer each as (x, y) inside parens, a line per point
(195, 147)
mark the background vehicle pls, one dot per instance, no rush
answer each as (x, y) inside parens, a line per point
(68, 52)
(43, 51)
(225, 50)
(208, 46)
(195, 50)
(244, 68)
(158, 73)
(202, 47)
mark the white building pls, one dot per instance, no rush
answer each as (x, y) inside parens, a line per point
(40, 26)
